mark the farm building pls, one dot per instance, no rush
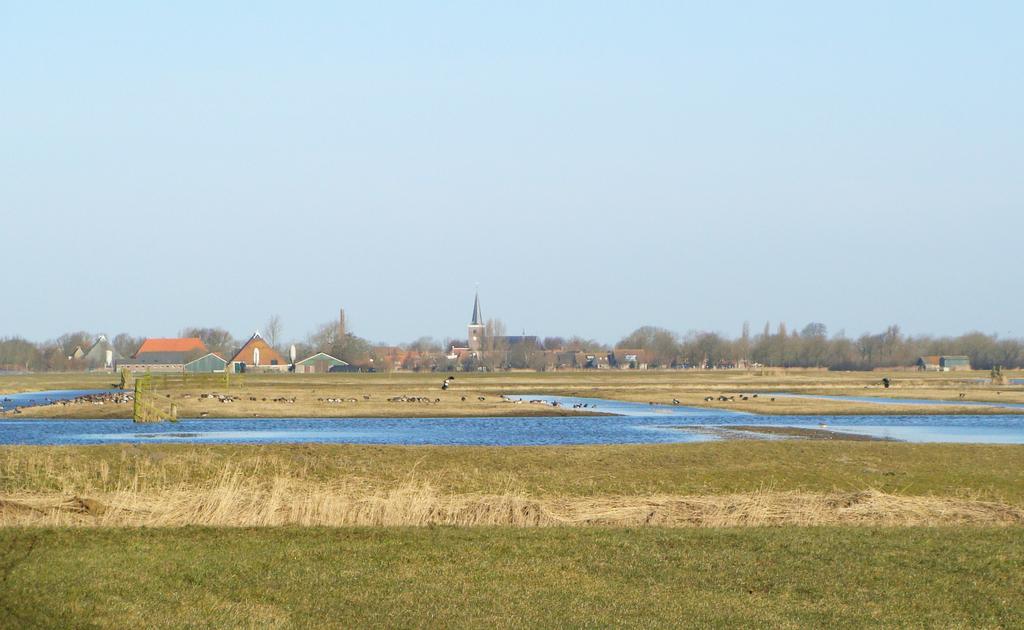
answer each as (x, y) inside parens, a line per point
(257, 353)
(206, 364)
(942, 363)
(164, 355)
(319, 363)
(626, 359)
(568, 360)
(577, 359)
(954, 363)
(180, 345)
(101, 355)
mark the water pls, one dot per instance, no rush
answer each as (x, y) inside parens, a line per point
(447, 431)
(1012, 381)
(635, 423)
(31, 399)
(900, 401)
(953, 433)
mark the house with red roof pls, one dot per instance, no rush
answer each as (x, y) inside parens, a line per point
(164, 355)
(259, 355)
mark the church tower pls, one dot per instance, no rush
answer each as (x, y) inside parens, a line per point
(476, 327)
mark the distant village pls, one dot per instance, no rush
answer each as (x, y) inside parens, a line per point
(482, 350)
(486, 347)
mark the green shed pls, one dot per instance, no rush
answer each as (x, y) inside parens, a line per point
(319, 363)
(206, 364)
(954, 363)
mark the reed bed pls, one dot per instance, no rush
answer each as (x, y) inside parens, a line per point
(236, 500)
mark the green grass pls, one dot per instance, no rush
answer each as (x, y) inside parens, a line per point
(991, 472)
(14, 383)
(444, 577)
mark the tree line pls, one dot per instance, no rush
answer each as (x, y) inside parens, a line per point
(19, 354)
(811, 346)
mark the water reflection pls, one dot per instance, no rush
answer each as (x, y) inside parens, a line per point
(633, 423)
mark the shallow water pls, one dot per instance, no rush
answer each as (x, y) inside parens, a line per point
(898, 401)
(32, 399)
(446, 431)
(965, 433)
(635, 423)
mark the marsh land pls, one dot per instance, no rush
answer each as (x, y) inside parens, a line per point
(741, 532)
(479, 394)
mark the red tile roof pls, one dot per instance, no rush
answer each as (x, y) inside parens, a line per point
(172, 345)
(268, 356)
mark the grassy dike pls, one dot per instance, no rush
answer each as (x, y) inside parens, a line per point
(494, 577)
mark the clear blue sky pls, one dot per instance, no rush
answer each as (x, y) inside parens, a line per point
(593, 166)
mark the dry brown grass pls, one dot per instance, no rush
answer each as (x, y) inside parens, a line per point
(659, 386)
(985, 472)
(236, 501)
(744, 483)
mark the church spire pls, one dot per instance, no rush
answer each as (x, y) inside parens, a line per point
(478, 319)
(476, 326)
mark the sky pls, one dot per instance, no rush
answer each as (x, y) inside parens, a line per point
(592, 167)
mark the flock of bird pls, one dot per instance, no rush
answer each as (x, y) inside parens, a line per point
(227, 398)
(124, 397)
(724, 398)
(414, 399)
(112, 398)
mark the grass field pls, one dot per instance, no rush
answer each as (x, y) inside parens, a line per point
(732, 533)
(255, 393)
(495, 577)
(711, 484)
(992, 472)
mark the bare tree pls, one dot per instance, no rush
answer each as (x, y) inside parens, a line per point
(661, 345)
(325, 337)
(426, 346)
(527, 353)
(348, 347)
(20, 354)
(272, 330)
(580, 344)
(495, 345)
(126, 345)
(554, 343)
(215, 339)
(69, 341)
(741, 349)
